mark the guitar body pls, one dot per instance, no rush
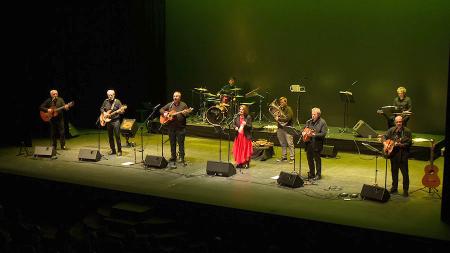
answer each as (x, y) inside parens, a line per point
(164, 120)
(307, 134)
(47, 116)
(171, 115)
(431, 179)
(105, 117)
(388, 146)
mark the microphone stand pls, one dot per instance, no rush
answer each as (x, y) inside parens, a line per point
(97, 123)
(147, 120)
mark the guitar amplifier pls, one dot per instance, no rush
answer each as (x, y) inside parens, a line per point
(128, 127)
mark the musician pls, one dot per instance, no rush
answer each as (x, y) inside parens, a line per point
(402, 104)
(176, 127)
(56, 122)
(227, 88)
(242, 147)
(110, 105)
(285, 138)
(314, 142)
(402, 138)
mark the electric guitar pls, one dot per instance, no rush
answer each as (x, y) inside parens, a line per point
(170, 115)
(105, 117)
(47, 116)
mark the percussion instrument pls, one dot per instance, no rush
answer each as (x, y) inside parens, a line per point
(215, 115)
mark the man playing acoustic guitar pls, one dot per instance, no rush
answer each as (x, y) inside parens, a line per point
(397, 141)
(173, 115)
(313, 134)
(110, 114)
(51, 108)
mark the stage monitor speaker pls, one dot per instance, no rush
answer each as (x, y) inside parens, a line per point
(328, 151)
(73, 132)
(48, 151)
(290, 180)
(220, 169)
(364, 130)
(155, 161)
(375, 193)
(128, 127)
(92, 155)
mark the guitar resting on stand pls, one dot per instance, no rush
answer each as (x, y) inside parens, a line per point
(431, 179)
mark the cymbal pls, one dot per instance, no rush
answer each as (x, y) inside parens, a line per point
(201, 89)
(247, 103)
(209, 94)
(235, 89)
(252, 93)
(238, 96)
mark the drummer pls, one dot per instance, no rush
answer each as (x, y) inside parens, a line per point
(228, 92)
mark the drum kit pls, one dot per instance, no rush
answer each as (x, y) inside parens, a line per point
(217, 108)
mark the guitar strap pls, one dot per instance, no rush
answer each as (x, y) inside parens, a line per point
(113, 104)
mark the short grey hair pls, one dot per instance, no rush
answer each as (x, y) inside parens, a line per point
(316, 109)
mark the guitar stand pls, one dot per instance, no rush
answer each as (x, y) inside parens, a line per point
(23, 148)
(431, 190)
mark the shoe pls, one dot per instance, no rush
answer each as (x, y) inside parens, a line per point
(392, 190)
(291, 161)
(282, 160)
(173, 159)
(63, 148)
(405, 194)
(318, 177)
(119, 153)
(112, 152)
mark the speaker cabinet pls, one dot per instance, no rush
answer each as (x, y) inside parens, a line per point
(155, 161)
(92, 155)
(220, 169)
(375, 193)
(128, 127)
(290, 180)
(48, 151)
(364, 130)
(328, 151)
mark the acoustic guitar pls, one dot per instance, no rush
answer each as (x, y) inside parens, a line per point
(388, 146)
(105, 117)
(431, 179)
(307, 133)
(47, 116)
(171, 115)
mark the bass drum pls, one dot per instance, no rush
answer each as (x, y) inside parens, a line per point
(215, 115)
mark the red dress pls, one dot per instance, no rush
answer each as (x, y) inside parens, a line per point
(242, 147)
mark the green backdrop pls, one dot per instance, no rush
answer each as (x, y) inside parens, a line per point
(325, 45)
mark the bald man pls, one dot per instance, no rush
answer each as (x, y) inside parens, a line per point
(402, 137)
(56, 122)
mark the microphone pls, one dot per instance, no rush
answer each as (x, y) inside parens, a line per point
(355, 82)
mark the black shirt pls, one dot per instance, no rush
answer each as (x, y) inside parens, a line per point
(180, 119)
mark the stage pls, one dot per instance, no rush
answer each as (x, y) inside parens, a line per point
(253, 189)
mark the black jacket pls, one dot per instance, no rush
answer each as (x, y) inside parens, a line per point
(320, 127)
(247, 127)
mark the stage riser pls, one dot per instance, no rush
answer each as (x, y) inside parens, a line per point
(341, 145)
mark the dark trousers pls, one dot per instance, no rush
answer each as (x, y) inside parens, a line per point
(313, 156)
(399, 162)
(114, 131)
(177, 135)
(57, 129)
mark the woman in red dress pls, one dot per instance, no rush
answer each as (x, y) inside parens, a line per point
(242, 147)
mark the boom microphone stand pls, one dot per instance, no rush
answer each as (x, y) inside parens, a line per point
(146, 122)
(97, 123)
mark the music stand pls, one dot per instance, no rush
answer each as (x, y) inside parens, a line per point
(377, 153)
(292, 131)
(346, 98)
(297, 89)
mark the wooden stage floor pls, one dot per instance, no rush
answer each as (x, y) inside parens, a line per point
(253, 189)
